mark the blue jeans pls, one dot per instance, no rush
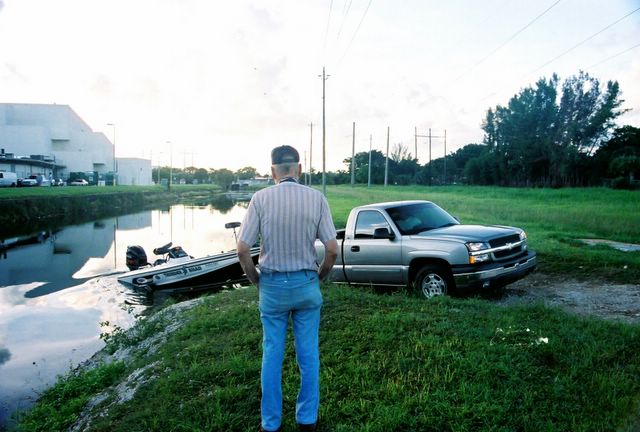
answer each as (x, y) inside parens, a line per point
(296, 295)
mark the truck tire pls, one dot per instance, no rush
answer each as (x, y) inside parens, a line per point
(433, 280)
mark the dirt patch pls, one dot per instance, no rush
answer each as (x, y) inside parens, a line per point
(606, 300)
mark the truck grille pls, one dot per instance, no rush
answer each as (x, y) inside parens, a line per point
(509, 253)
(515, 238)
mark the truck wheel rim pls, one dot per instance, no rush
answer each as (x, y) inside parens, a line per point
(433, 285)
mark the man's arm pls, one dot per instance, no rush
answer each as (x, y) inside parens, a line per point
(244, 255)
(330, 255)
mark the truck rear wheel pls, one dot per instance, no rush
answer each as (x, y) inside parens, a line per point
(433, 280)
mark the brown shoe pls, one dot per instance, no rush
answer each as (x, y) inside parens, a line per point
(308, 427)
(277, 430)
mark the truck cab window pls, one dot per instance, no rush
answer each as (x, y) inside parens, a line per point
(367, 222)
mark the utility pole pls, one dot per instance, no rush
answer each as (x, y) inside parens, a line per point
(353, 155)
(386, 161)
(306, 174)
(369, 178)
(415, 135)
(324, 148)
(445, 157)
(430, 137)
(310, 155)
(430, 166)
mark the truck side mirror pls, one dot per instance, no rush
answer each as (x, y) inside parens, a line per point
(383, 233)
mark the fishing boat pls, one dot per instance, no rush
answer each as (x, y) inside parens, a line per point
(178, 271)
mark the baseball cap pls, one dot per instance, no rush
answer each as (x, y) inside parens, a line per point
(284, 154)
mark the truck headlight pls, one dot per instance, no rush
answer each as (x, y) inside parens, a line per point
(477, 247)
(523, 238)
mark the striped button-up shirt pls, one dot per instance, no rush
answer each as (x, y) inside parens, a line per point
(289, 217)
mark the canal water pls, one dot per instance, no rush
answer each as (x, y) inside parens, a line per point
(59, 287)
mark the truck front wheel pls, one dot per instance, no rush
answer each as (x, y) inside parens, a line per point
(433, 280)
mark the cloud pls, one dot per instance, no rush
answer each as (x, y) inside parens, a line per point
(12, 68)
(101, 86)
(1, 4)
(5, 355)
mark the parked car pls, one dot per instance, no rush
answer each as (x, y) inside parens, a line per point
(29, 181)
(36, 180)
(416, 243)
(58, 182)
(79, 182)
(8, 179)
(44, 180)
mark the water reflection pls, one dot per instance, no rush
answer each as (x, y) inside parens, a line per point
(57, 286)
(5, 355)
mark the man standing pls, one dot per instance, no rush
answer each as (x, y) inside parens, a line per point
(289, 217)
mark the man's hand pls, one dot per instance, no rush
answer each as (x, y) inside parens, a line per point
(247, 264)
(330, 255)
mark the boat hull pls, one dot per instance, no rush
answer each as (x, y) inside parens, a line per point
(214, 271)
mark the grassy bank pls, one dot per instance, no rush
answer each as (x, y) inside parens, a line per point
(555, 220)
(26, 210)
(389, 362)
(396, 362)
(69, 191)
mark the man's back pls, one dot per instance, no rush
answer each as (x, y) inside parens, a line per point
(289, 218)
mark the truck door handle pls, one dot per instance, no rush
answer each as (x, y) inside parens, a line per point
(355, 248)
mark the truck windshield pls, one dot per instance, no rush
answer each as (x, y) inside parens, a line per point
(416, 218)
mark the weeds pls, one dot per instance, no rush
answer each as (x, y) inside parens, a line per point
(59, 406)
(395, 362)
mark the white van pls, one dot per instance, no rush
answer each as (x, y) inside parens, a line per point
(8, 179)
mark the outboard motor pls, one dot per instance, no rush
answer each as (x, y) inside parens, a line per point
(136, 257)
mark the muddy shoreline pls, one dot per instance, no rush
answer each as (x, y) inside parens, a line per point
(611, 301)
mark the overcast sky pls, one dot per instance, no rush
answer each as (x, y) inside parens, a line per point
(225, 81)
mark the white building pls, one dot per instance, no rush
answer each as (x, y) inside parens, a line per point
(54, 140)
(134, 171)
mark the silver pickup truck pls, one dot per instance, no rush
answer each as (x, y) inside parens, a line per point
(418, 244)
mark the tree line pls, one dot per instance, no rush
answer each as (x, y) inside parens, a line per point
(192, 175)
(552, 134)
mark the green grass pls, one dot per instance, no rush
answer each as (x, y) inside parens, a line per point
(59, 406)
(390, 362)
(397, 362)
(27, 192)
(554, 219)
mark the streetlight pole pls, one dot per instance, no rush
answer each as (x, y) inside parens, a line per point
(158, 173)
(170, 164)
(115, 166)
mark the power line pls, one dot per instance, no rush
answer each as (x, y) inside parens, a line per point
(356, 32)
(583, 41)
(512, 37)
(576, 46)
(613, 56)
(471, 29)
(344, 17)
(326, 32)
